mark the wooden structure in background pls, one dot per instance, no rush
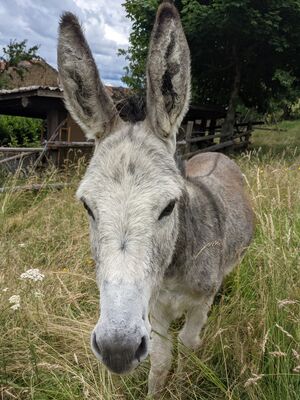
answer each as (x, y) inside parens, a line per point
(64, 140)
(41, 97)
(201, 132)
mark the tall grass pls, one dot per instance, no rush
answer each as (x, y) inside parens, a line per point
(251, 343)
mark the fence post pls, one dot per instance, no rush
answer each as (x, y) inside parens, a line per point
(248, 133)
(188, 136)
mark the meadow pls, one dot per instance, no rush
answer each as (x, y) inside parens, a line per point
(251, 343)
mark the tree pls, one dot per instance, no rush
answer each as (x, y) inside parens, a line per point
(13, 55)
(142, 14)
(243, 51)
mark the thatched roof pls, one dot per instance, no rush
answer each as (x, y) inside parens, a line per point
(40, 75)
(34, 73)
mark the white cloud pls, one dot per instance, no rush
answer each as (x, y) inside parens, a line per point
(106, 28)
(112, 34)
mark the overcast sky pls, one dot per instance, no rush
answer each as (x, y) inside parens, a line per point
(104, 22)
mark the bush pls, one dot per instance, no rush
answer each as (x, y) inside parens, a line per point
(20, 131)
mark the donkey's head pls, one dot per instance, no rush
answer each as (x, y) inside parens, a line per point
(132, 185)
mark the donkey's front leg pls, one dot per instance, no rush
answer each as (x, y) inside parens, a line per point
(160, 349)
(189, 336)
(196, 317)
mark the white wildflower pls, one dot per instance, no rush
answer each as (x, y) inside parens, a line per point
(297, 369)
(22, 244)
(15, 306)
(5, 289)
(33, 274)
(253, 381)
(15, 299)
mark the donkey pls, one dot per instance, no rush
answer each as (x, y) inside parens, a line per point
(163, 240)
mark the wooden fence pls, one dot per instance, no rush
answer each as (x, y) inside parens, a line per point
(202, 132)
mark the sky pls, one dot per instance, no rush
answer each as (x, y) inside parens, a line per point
(104, 21)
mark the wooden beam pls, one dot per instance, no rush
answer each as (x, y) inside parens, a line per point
(50, 93)
(210, 148)
(269, 129)
(59, 144)
(18, 156)
(203, 138)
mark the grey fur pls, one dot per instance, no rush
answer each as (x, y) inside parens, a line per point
(166, 266)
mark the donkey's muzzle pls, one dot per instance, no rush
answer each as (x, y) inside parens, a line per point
(120, 354)
(120, 339)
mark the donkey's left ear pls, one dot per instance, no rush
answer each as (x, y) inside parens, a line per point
(168, 74)
(85, 95)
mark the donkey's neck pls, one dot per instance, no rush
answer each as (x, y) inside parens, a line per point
(201, 224)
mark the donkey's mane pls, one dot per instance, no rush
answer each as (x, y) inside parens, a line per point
(132, 108)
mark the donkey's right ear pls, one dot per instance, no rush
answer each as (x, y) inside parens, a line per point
(85, 96)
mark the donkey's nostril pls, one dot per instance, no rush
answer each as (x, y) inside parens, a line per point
(95, 344)
(142, 349)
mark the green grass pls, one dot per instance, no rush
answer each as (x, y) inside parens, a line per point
(283, 137)
(251, 340)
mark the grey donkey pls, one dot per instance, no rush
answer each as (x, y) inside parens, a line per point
(163, 241)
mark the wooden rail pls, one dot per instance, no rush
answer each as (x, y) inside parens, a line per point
(58, 144)
(17, 157)
(195, 139)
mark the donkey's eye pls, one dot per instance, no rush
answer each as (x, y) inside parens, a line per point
(168, 210)
(89, 211)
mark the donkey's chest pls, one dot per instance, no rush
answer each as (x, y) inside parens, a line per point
(176, 298)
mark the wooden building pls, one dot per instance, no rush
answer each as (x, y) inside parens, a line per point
(62, 136)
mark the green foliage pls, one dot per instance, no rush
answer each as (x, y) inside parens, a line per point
(20, 131)
(139, 40)
(258, 38)
(13, 54)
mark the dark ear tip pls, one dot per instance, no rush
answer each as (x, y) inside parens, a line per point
(67, 19)
(167, 10)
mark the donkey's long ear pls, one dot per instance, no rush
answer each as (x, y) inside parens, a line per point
(85, 96)
(168, 73)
